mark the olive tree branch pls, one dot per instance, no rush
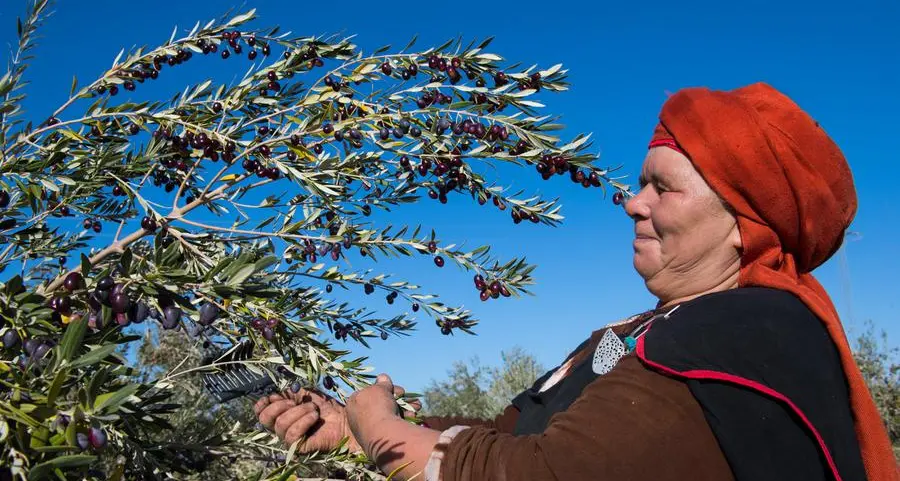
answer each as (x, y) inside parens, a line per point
(129, 62)
(116, 247)
(16, 68)
(119, 246)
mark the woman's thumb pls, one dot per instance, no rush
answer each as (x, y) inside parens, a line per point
(385, 380)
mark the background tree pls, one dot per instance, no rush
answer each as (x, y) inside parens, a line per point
(240, 210)
(473, 390)
(517, 372)
(880, 366)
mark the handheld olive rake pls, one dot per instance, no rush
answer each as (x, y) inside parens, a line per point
(232, 379)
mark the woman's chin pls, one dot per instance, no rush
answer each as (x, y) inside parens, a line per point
(644, 268)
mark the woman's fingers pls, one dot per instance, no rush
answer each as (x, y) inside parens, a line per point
(260, 405)
(291, 416)
(301, 427)
(307, 395)
(265, 401)
(271, 412)
(415, 407)
(416, 404)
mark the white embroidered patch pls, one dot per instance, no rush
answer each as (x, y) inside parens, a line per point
(623, 321)
(609, 351)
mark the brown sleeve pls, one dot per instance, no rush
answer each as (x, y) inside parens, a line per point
(629, 424)
(504, 422)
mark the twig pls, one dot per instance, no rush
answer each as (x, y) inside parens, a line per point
(246, 232)
(115, 247)
(6, 251)
(119, 231)
(191, 247)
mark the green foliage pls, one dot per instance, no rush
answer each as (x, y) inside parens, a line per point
(880, 366)
(475, 391)
(289, 170)
(163, 351)
(518, 372)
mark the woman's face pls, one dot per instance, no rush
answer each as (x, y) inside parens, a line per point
(686, 242)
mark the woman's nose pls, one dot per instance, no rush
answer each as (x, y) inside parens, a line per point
(636, 206)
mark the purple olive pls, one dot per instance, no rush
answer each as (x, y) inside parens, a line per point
(171, 317)
(62, 305)
(94, 301)
(73, 281)
(97, 438)
(208, 313)
(105, 283)
(40, 351)
(31, 345)
(11, 339)
(139, 312)
(268, 333)
(103, 297)
(120, 302)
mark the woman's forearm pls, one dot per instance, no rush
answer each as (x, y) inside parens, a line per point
(393, 443)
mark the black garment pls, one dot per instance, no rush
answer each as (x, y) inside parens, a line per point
(536, 408)
(765, 335)
(769, 337)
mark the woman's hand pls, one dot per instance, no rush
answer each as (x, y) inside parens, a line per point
(318, 417)
(394, 444)
(370, 407)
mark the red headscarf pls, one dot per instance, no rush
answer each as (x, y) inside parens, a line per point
(793, 195)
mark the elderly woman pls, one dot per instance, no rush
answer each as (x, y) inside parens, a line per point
(742, 371)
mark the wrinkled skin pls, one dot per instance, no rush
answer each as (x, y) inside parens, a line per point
(687, 242)
(318, 416)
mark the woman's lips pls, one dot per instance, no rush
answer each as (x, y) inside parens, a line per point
(641, 239)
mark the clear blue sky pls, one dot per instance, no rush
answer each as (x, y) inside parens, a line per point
(838, 59)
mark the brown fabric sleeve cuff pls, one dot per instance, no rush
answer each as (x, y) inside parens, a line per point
(433, 467)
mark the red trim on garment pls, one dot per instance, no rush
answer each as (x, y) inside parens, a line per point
(740, 381)
(670, 143)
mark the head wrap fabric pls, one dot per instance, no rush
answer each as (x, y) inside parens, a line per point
(793, 195)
